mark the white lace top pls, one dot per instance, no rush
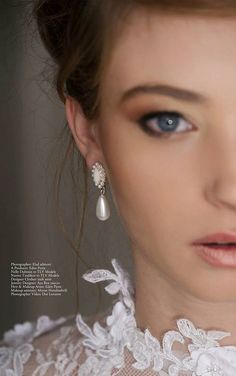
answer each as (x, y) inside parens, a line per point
(114, 345)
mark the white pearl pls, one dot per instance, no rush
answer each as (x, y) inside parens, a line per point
(102, 209)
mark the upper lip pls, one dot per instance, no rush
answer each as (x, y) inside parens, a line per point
(219, 237)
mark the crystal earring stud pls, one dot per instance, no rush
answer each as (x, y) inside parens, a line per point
(99, 178)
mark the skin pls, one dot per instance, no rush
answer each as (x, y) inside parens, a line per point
(171, 191)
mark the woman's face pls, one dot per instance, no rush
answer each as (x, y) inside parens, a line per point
(173, 190)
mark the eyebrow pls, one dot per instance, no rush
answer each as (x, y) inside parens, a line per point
(166, 90)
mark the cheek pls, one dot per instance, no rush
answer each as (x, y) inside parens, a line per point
(144, 176)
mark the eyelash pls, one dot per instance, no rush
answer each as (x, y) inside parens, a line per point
(168, 114)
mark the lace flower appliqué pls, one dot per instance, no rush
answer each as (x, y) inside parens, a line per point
(105, 346)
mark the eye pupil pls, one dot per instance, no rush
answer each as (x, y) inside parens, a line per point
(167, 123)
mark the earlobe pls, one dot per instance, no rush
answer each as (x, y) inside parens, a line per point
(82, 131)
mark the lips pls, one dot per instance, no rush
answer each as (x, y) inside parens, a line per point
(217, 239)
(218, 250)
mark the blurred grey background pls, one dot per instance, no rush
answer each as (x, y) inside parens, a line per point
(31, 119)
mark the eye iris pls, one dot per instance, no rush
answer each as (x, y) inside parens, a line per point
(168, 122)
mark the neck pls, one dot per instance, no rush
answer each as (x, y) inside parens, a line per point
(159, 303)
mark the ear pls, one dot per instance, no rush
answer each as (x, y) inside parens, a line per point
(83, 132)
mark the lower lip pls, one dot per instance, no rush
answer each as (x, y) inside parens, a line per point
(224, 256)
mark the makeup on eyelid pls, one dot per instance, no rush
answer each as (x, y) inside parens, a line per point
(168, 123)
(138, 109)
(141, 109)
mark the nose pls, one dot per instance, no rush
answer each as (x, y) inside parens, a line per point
(221, 171)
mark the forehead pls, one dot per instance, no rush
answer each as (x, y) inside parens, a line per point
(186, 51)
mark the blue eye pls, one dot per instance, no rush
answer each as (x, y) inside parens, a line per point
(163, 123)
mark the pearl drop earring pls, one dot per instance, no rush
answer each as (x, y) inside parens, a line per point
(99, 177)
